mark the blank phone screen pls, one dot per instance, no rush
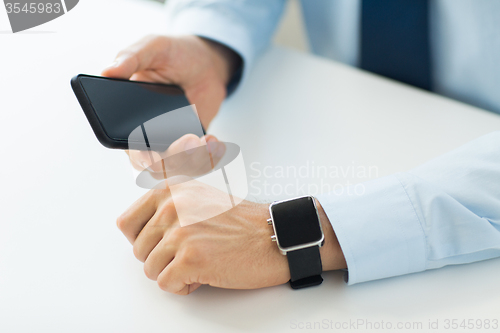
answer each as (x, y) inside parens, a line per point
(123, 106)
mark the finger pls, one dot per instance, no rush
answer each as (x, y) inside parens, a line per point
(138, 57)
(138, 214)
(148, 238)
(157, 174)
(192, 150)
(204, 160)
(178, 155)
(156, 229)
(184, 144)
(188, 289)
(158, 259)
(189, 155)
(175, 278)
(151, 75)
(151, 160)
(178, 159)
(135, 165)
(146, 159)
(199, 162)
(193, 287)
(217, 150)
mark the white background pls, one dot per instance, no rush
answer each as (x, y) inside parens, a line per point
(64, 266)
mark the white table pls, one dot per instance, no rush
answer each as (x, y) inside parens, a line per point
(65, 267)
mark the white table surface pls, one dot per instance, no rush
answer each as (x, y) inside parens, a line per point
(65, 267)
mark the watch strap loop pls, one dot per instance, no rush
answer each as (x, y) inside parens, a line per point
(305, 267)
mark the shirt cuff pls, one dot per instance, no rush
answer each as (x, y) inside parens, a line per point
(211, 24)
(377, 228)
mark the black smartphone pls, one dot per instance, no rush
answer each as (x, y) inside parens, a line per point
(116, 109)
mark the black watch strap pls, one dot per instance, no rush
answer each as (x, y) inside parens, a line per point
(305, 267)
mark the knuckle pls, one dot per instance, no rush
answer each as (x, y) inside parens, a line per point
(158, 193)
(192, 255)
(163, 282)
(149, 272)
(177, 235)
(139, 252)
(121, 221)
(154, 41)
(157, 196)
(167, 210)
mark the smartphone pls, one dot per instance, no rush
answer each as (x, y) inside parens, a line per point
(116, 109)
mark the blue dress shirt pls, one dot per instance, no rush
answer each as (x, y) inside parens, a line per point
(465, 37)
(444, 212)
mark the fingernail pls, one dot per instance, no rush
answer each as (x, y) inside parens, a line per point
(190, 145)
(113, 64)
(212, 139)
(117, 62)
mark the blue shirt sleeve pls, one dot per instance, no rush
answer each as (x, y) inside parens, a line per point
(444, 212)
(245, 26)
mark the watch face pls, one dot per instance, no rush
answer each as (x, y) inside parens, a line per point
(296, 222)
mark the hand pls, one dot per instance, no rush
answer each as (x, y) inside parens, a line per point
(189, 156)
(231, 250)
(201, 67)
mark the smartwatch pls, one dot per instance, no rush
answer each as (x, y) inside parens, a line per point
(298, 234)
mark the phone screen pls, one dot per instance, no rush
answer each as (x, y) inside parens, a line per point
(122, 106)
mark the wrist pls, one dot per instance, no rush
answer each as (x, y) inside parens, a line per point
(332, 257)
(226, 61)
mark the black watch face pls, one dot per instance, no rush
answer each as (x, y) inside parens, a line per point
(296, 222)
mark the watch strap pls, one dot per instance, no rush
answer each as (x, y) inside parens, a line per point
(305, 267)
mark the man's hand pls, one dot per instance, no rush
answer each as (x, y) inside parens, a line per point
(232, 250)
(201, 67)
(189, 156)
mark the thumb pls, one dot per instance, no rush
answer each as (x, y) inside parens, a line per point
(123, 67)
(138, 57)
